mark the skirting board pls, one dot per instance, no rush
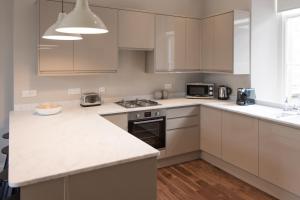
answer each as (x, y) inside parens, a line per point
(165, 162)
(249, 178)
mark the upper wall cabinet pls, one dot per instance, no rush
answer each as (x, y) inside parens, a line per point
(99, 53)
(54, 56)
(177, 45)
(136, 30)
(225, 43)
(94, 54)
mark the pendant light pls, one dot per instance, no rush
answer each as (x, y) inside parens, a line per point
(52, 34)
(81, 20)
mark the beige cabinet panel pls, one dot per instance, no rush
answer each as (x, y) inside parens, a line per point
(99, 52)
(223, 43)
(240, 141)
(54, 55)
(193, 39)
(180, 141)
(170, 43)
(279, 158)
(211, 131)
(182, 112)
(121, 120)
(182, 122)
(136, 30)
(207, 44)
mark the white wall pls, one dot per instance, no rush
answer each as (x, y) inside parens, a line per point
(283, 5)
(212, 7)
(6, 68)
(130, 80)
(265, 51)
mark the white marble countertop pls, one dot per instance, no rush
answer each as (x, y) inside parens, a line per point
(79, 139)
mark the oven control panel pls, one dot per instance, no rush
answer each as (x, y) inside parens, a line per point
(146, 114)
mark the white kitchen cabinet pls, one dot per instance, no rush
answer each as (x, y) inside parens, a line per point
(177, 45)
(225, 43)
(136, 30)
(120, 120)
(240, 141)
(182, 131)
(53, 56)
(279, 158)
(99, 52)
(94, 54)
(180, 141)
(211, 131)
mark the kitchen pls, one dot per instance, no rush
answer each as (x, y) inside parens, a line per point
(157, 60)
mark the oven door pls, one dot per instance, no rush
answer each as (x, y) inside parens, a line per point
(152, 131)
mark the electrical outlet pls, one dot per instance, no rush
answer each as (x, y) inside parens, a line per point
(168, 86)
(29, 93)
(102, 90)
(74, 91)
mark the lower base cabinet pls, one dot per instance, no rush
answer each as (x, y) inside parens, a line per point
(180, 141)
(279, 155)
(240, 141)
(120, 120)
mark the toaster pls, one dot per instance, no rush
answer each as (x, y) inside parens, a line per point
(90, 99)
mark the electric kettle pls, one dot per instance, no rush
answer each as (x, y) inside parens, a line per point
(224, 92)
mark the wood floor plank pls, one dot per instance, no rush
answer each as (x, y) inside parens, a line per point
(199, 180)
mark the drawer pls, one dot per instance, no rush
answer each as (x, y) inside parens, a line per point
(183, 122)
(182, 112)
(180, 141)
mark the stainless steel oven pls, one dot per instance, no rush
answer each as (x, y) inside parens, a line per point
(149, 126)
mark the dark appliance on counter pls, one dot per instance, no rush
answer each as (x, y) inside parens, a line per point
(90, 99)
(200, 90)
(149, 126)
(224, 92)
(246, 96)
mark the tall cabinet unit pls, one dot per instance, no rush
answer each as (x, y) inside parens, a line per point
(177, 45)
(94, 54)
(225, 40)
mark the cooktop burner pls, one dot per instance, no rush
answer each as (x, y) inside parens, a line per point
(137, 103)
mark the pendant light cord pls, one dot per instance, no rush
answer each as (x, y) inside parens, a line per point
(62, 6)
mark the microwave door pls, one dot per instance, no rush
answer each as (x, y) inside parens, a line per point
(197, 91)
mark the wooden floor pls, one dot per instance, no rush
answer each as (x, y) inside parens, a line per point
(198, 180)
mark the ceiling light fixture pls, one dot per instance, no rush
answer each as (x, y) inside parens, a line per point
(52, 34)
(81, 20)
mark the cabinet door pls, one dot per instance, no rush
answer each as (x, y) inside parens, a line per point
(54, 55)
(211, 131)
(99, 52)
(121, 120)
(136, 30)
(223, 42)
(180, 141)
(170, 43)
(193, 38)
(240, 141)
(207, 41)
(279, 158)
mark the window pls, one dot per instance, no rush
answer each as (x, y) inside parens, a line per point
(291, 22)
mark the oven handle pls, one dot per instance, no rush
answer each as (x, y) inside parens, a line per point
(148, 121)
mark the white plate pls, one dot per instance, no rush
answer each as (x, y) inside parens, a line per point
(48, 109)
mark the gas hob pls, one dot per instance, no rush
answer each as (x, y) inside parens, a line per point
(137, 103)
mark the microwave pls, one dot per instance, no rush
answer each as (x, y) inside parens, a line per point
(200, 91)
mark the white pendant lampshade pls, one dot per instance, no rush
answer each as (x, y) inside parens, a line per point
(52, 34)
(81, 20)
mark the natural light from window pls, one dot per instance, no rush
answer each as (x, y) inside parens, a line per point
(292, 54)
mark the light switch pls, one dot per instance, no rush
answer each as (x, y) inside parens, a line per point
(29, 93)
(168, 86)
(74, 91)
(102, 90)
